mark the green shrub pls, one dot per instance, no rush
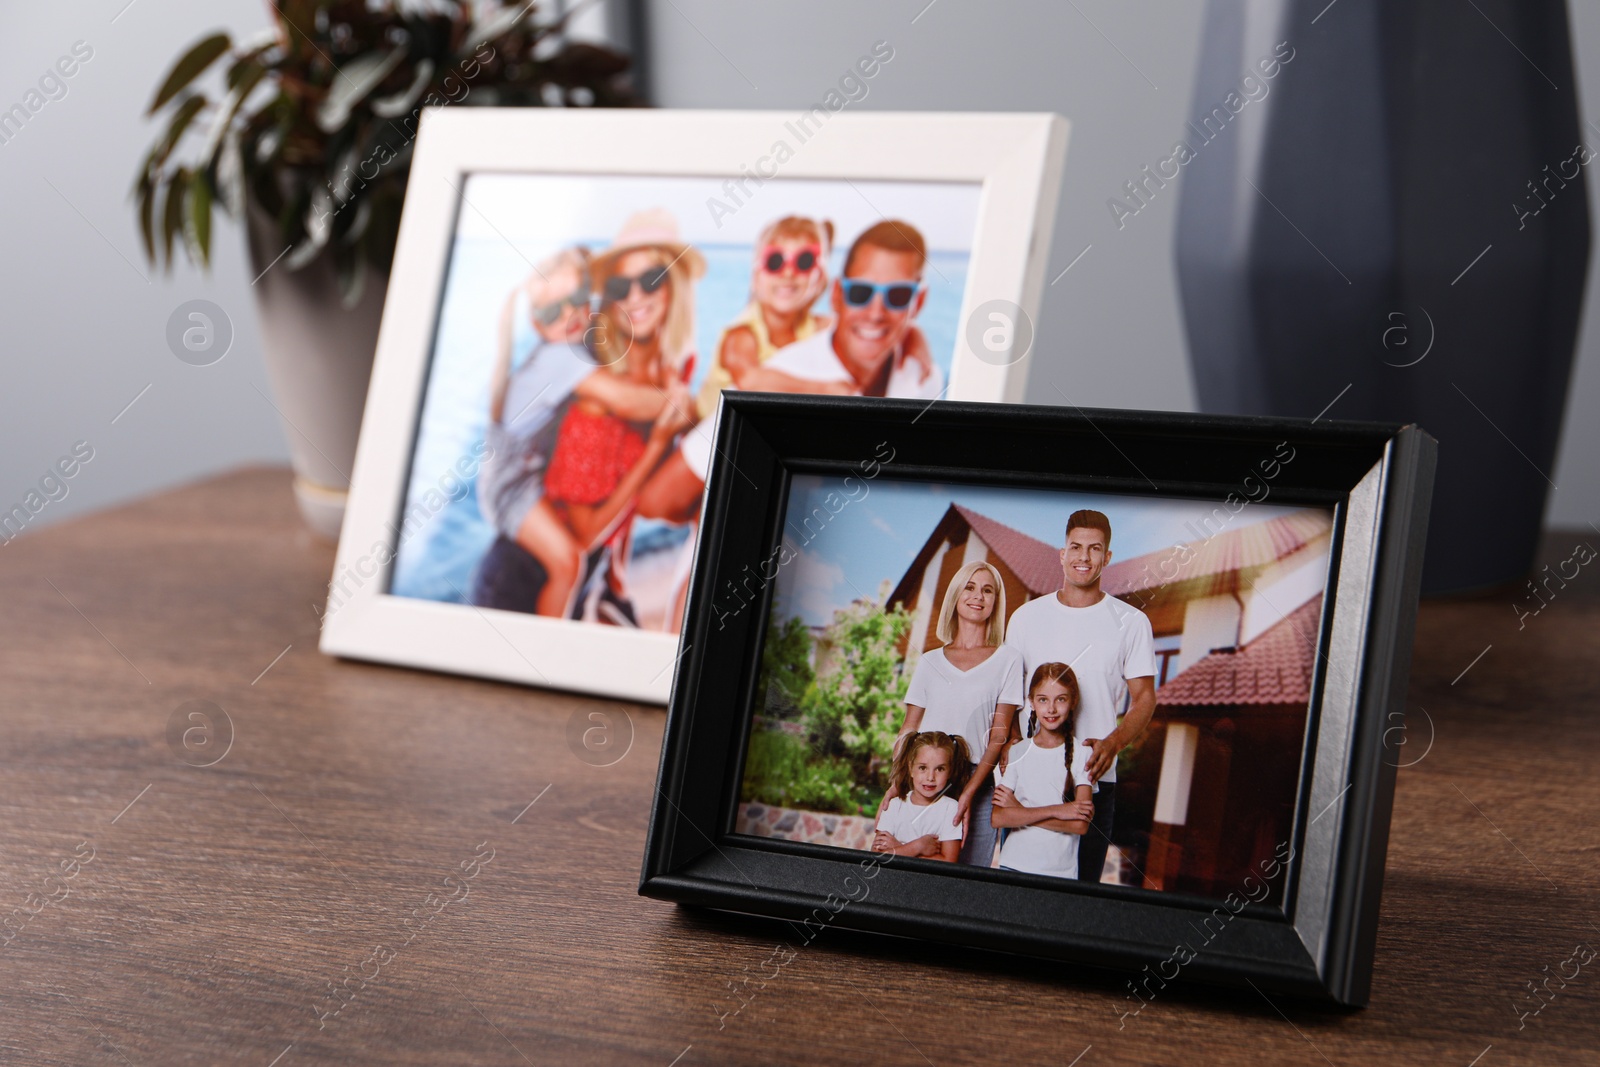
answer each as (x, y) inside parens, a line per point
(853, 710)
(785, 771)
(850, 710)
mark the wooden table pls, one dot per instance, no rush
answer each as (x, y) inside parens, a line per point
(223, 904)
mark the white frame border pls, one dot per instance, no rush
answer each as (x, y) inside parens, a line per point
(1017, 158)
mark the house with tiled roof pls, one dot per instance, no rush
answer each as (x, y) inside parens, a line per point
(1208, 792)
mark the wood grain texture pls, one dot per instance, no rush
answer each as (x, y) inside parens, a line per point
(221, 905)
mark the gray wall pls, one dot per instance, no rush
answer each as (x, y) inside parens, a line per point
(85, 317)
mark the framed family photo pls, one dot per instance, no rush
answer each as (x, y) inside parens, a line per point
(573, 291)
(1106, 687)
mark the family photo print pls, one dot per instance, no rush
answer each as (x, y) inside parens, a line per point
(589, 380)
(1102, 688)
(572, 295)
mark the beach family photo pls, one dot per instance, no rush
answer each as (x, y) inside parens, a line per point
(1089, 687)
(586, 328)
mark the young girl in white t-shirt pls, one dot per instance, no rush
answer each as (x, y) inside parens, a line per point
(1044, 795)
(929, 773)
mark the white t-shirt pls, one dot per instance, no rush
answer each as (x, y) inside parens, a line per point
(1038, 776)
(907, 822)
(961, 703)
(1105, 645)
(814, 359)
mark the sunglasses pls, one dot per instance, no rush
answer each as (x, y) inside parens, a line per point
(896, 295)
(548, 314)
(618, 287)
(804, 261)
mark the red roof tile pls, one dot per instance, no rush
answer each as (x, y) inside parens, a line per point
(1036, 564)
(1215, 561)
(1275, 668)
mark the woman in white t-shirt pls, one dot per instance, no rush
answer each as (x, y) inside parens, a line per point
(1044, 793)
(961, 689)
(921, 820)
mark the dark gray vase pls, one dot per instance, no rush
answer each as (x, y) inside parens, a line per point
(1395, 226)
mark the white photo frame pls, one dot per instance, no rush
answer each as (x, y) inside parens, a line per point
(1014, 161)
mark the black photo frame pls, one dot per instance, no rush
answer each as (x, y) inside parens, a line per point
(1317, 944)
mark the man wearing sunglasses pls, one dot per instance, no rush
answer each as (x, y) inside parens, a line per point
(865, 354)
(875, 301)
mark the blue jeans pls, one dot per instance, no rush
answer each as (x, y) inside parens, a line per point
(978, 848)
(1092, 847)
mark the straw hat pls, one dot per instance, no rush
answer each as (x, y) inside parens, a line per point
(652, 228)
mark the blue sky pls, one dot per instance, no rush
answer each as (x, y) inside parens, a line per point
(875, 536)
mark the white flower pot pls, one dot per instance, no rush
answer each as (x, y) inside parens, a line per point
(319, 359)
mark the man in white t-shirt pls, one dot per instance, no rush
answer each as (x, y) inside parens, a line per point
(1109, 646)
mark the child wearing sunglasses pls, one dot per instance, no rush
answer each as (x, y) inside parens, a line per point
(787, 276)
(871, 347)
(749, 345)
(874, 347)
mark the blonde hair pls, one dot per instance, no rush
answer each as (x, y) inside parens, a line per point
(575, 258)
(677, 330)
(797, 226)
(946, 629)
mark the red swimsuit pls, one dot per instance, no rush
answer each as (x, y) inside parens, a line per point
(592, 455)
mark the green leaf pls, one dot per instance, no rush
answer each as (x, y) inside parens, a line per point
(242, 65)
(494, 26)
(351, 267)
(172, 211)
(147, 205)
(181, 118)
(358, 218)
(354, 81)
(299, 20)
(190, 67)
(230, 175)
(388, 107)
(245, 73)
(317, 224)
(199, 222)
(382, 228)
(251, 74)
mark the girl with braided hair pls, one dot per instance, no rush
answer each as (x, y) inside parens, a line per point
(1044, 795)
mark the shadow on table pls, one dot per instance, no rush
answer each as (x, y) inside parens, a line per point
(984, 966)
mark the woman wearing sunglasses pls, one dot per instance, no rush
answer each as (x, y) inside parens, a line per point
(528, 403)
(642, 332)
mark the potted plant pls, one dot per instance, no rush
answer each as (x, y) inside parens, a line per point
(308, 139)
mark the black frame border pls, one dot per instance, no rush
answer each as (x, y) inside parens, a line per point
(1319, 945)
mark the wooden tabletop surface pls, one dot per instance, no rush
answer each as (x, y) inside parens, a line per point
(289, 904)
